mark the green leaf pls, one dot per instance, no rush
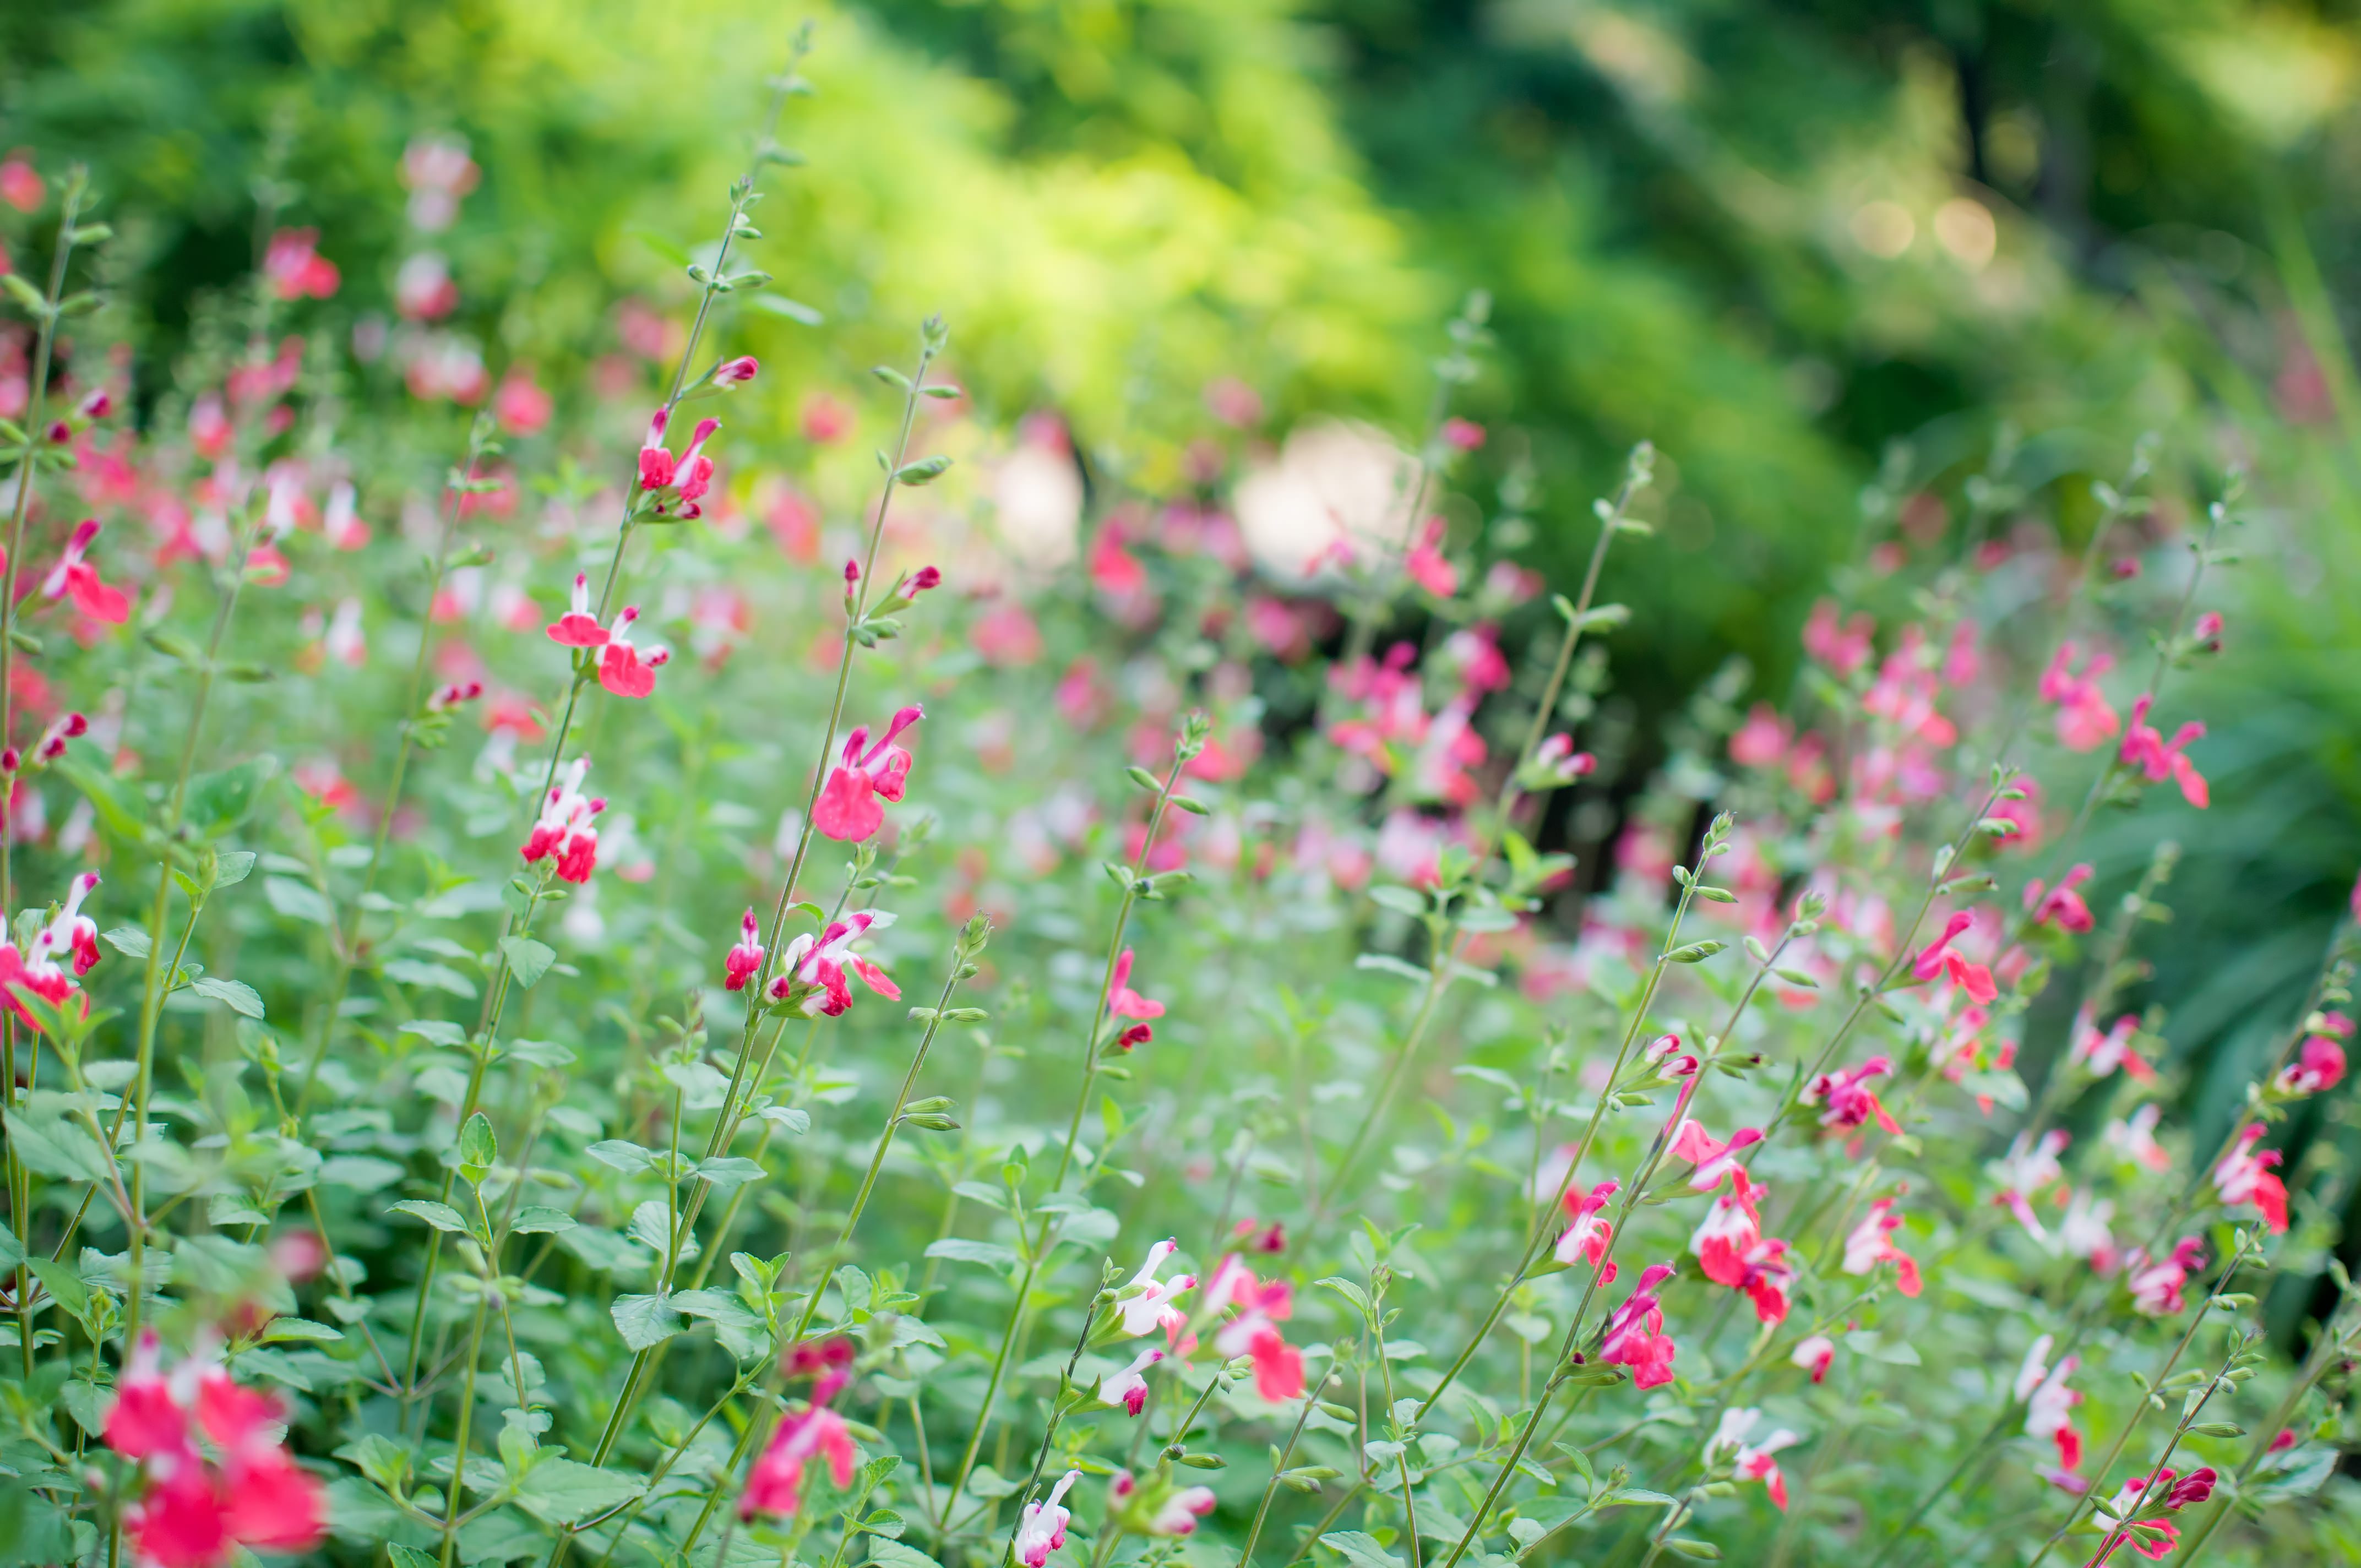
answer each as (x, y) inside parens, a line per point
(1361, 1549)
(412, 1557)
(1385, 963)
(284, 1329)
(527, 959)
(55, 1146)
(645, 1321)
(564, 1491)
(434, 977)
(924, 471)
(118, 804)
(1703, 1551)
(128, 941)
(238, 996)
(960, 1249)
(730, 1172)
(442, 1216)
(477, 1147)
(61, 1281)
(233, 867)
(217, 801)
(297, 901)
(538, 1218)
(441, 1031)
(895, 1554)
(621, 1153)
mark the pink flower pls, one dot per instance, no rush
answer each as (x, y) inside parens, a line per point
(2207, 632)
(2048, 1402)
(847, 810)
(2136, 1139)
(296, 268)
(2244, 1176)
(2152, 1537)
(521, 405)
(826, 421)
(1713, 1161)
(451, 695)
(2145, 749)
(1424, 563)
(744, 960)
(1635, 1336)
(1255, 1236)
(2084, 1232)
(1587, 1233)
(1750, 1462)
(577, 628)
(1871, 1244)
(191, 1511)
(622, 669)
(1732, 1227)
(812, 971)
(1842, 648)
(688, 476)
(423, 289)
(1762, 739)
(1938, 958)
(1128, 1388)
(1176, 1509)
(2084, 718)
(2320, 1066)
(37, 971)
(2155, 1283)
(2101, 1054)
(1462, 435)
(1041, 1528)
(21, 185)
(563, 828)
(1556, 763)
(1152, 1308)
(776, 1485)
(1851, 1100)
(1277, 1366)
(74, 576)
(1815, 1355)
(52, 744)
(732, 373)
(2061, 904)
(1123, 1001)
(438, 172)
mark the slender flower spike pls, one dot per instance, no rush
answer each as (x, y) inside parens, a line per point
(745, 959)
(1041, 1529)
(1635, 1333)
(1152, 1309)
(1815, 1355)
(564, 830)
(2134, 1514)
(1872, 1242)
(847, 810)
(812, 971)
(1750, 1462)
(73, 575)
(776, 1485)
(1587, 1233)
(2244, 1176)
(1128, 1388)
(1938, 957)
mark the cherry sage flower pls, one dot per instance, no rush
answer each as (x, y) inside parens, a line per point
(679, 484)
(776, 1485)
(2048, 1402)
(562, 829)
(1041, 1528)
(1635, 1333)
(2319, 1065)
(2085, 721)
(2244, 1176)
(2135, 1139)
(621, 667)
(76, 576)
(1750, 1461)
(1128, 1388)
(1849, 1100)
(1871, 1244)
(37, 971)
(2136, 1513)
(2061, 906)
(1125, 1003)
(812, 969)
(1938, 956)
(1588, 1231)
(1277, 1366)
(1152, 1309)
(2155, 1283)
(1158, 1508)
(847, 810)
(744, 960)
(1815, 1355)
(2159, 759)
(2101, 1054)
(1713, 1161)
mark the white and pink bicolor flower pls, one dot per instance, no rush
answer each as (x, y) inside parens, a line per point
(1587, 1232)
(1041, 1528)
(1750, 1461)
(1152, 1308)
(75, 575)
(1262, 1306)
(2048, 1402)
(817, 967)
(744, 960)
(1713, 1160)
(623, 668)
(564, 828)
(1815, 1356)
(688, 477)
(1128, 1388)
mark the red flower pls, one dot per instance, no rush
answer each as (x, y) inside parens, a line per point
(74, 576)
(847, 810)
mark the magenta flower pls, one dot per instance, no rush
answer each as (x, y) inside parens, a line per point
(1871, 1244)
(776, 1485)
(2060, 905)
(1635, 1333)
(1128, 1388)
(1691, 1142)
(1277, 1366)
(1939, 959)
(1849, 1100)
(2146, 749)
(2084, 718)
(1751, 1461)
(1123, 1001)
(74, 576)
(2321, 1065)
(2244, 1176)
(1041, 1528)
(744, 960)
(564, 830)
(847, 810)
(1589, 1232)
(688, 477)
(812, 971)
